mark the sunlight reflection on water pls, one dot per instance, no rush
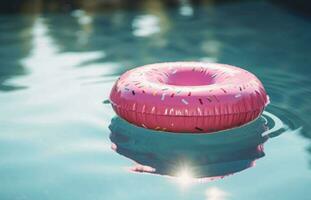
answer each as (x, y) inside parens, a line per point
(56, 69)
(195, 158)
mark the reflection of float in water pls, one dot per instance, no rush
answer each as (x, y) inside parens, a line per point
(191, 157)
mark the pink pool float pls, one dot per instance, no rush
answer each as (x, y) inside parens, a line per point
(189, 97)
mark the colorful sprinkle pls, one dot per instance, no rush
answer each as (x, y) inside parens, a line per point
(163, 97)
(223, 90)
(189, 94)
(237, 96)
(166, 74)
(184, 101)
(165, 112)
(172, 95)
(222, 73)
(153, 109)
(210, 100)
(215, 97)
(201, 102)
(133, 92)
(199, 129)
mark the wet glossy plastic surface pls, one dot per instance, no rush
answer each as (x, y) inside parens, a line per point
(188, 96)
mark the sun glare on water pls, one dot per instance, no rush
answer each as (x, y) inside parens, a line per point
(185, 177)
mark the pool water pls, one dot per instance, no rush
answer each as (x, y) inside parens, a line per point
(59, 141)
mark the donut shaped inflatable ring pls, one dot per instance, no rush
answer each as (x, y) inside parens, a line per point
(188, 97)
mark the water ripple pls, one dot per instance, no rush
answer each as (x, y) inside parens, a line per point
(205, 156)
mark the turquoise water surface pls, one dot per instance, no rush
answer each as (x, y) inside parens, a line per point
(59, 141)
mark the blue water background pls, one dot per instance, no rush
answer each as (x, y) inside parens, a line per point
(56, 69)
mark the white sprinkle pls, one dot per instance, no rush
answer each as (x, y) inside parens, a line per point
(237, 96)
(184, 101)
(199, 111)
(163, 97)
(213, 76)
(174, 72)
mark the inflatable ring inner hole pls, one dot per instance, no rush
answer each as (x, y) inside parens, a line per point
(190, 78)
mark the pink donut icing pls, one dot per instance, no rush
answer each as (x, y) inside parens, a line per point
(188, 97)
